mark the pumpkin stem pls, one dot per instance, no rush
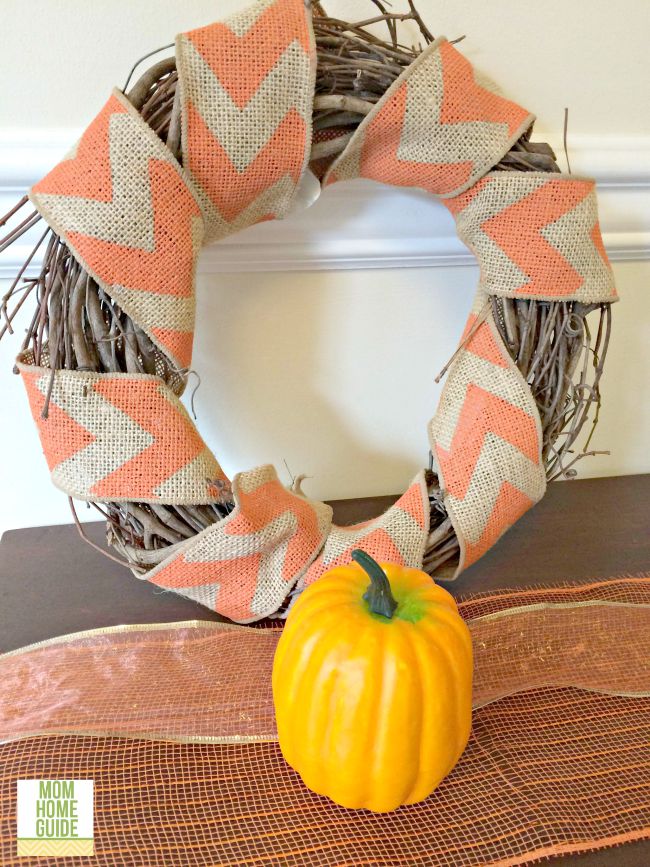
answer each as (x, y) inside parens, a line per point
(378, 595)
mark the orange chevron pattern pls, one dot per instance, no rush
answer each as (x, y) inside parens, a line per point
(486, 439)
(482, 342)
(168, 269)
(397, 536)
(517, 230)
(244, 566)
(165, 270)
(458, 203)
(86, 173)
(436, 128)
(482, 414)
(61, 436)
(135, 219)
(597, 240)
(510, 505)
(242, 62)
(465, 101)
(120, 437)
(247, 111)
(217, 175)
(376, 542)
(137, 246)
(175, 440)
(382, 163)
(260, 507)
(535, 235)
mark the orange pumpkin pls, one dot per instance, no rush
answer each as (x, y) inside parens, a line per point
(372, 685)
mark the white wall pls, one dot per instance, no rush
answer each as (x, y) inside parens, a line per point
(322, 355)
(59, 58)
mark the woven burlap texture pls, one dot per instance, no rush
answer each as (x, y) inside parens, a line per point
(124, 206)
(119, 436)
(436, 128)
(247, 87)
(397, 536)
(135, 219)
(486, 439)
(245, 565)
(536, 235)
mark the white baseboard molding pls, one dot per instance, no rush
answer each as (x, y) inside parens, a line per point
(362, 224)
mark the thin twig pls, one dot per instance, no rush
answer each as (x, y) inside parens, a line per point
(92, 544)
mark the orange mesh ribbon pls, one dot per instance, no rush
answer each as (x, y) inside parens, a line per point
(135, 218)
(175, 725)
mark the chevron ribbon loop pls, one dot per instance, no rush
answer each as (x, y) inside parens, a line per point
(118, 437)
(439, 127)
(398, 536)
(247, 86)
(245, 565)
(486, 440)
(536, 235)
(124, 206)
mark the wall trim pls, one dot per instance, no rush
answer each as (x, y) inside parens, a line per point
(362, 225)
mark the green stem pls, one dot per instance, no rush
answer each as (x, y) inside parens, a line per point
(378, 595)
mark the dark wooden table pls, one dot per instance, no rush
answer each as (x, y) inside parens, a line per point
(52, 583)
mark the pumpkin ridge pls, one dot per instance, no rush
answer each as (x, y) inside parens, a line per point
(299, 725)
(418, 662)
(420, 643)
(450, 675)
(363, 708)
(321, 720)
(389, 683)
(454, 675)
(292, 716)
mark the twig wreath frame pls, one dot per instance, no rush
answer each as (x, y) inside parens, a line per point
(108, 348)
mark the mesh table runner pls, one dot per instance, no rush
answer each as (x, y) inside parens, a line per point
(175, 725)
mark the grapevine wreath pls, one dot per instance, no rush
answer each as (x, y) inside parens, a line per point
(228, 133)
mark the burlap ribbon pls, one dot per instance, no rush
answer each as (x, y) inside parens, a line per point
(119, 436)
(245, 565)
(438, 127)
(135, 218)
